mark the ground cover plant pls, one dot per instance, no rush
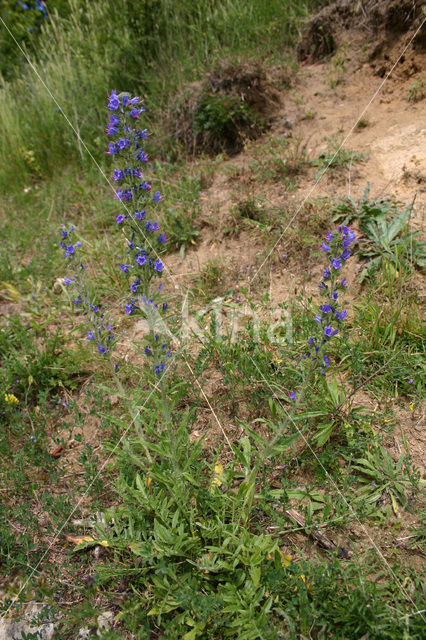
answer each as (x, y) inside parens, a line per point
(182, 455)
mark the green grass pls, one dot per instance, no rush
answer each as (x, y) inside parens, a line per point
(77, 64)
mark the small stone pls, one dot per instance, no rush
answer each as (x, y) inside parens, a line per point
(104, 622)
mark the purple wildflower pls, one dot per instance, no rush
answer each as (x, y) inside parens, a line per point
(135, 285)
(329, 332)
(159, 266)
(118, 175)
(325, 308)
(141, 156)
(114, 102)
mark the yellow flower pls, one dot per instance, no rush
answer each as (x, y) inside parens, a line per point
(11, 399)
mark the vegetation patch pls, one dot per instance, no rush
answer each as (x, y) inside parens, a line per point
(233, 104)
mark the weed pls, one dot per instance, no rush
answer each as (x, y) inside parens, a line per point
(219, 121)
(390, 241)
(285, 159)
(347, 209)
(417, 91)
(336, 158)
(362, 123)
(212, 281)
(336, 67)
(383, 478)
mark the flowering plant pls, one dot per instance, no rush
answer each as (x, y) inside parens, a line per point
(101, 328)
(331, 314)
(144, 240)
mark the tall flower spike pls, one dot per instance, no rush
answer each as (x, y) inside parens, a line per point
(144, 244)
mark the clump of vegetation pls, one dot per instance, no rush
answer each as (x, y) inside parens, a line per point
(232, 105)
(388, 239)
(417, 91)
(336, 158)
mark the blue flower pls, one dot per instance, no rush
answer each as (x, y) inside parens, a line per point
(141, 259)
(114, 102)
(101, 348)
(147, 351)
(160, 368)
(162, 238)
(156, 197)
(325, 247)
(125, 268)
(90, 335)
(135, 285)
(337, 263)
(119, 218)
(118, 175)
(326, 361)
(293, 395)
(68, 280)
(159, 266)
(141, 156)
(325, 308)
(329, 332)
(129, 308)
(326, 273)
(140, 215)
